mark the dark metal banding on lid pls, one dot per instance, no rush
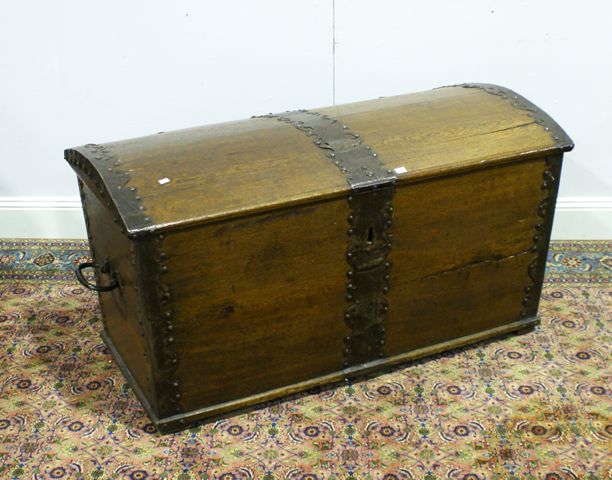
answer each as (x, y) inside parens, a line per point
(560, 138)
(369, 223)
(345, 148)
(112, 186)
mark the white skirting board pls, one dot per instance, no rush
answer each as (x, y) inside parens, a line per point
(27, 217)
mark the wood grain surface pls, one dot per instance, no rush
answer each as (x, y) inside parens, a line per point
(259, 301)
(461, 249)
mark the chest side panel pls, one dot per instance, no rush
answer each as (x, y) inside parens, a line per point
(259, 301)
(120, 307)
(462, 250)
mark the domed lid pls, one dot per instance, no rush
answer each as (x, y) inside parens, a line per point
(187, 177)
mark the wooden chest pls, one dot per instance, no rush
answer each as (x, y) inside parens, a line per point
(245, 261)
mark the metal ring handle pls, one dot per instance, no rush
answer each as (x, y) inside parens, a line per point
(78, 271)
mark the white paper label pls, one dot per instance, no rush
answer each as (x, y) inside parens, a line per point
(400, 170)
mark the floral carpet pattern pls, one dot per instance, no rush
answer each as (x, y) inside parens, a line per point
(534, 406)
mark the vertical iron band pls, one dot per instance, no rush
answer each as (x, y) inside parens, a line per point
(541, 236)
(369, 224)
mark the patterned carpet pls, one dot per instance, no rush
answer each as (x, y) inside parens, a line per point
(536, 406)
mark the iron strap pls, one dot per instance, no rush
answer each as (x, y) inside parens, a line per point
(346, 150)
(369, 223)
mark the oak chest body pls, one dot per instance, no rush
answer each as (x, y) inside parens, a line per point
(244, 261)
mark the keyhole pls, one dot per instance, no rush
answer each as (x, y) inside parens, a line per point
(370, 235)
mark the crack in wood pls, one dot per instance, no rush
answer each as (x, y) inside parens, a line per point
(493, 259)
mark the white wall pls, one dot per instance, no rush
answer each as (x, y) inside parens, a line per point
(75, 71)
